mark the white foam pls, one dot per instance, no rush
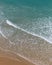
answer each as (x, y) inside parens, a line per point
(15, 26)
(10, 23)
(3, 34)
(36, 35)
(5, 37)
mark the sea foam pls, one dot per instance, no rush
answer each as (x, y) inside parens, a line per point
(15, 26)
(10, 23)
(3, 34)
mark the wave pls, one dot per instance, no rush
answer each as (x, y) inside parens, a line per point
(15, 26)
(5, 37)
(3, 34)
(10, 23)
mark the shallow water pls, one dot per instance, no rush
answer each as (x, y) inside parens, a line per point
(33, 16)
(30, 47)
(26, 29)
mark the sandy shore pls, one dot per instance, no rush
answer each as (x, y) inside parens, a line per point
(12, 59)
(9, 58)
(35, 49)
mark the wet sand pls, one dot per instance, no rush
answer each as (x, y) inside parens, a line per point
(34, 48)
(9, 58)
(12, 59)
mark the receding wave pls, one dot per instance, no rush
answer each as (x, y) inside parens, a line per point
(11, 24)
(24, 43)
(15, 26)
(3, 34)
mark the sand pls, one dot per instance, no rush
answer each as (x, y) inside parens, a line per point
(34, 48)
(12, 59)
(9, 58)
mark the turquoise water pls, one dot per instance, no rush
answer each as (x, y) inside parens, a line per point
(31, 16)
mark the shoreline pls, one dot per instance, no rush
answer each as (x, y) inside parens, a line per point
(7, 58)
(28, 46)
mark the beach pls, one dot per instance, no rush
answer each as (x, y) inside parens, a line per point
(25, 49)
(25, 32)
(9, 58)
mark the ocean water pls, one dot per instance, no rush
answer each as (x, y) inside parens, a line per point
(26, 26)
(31, 16)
